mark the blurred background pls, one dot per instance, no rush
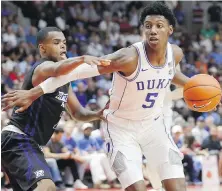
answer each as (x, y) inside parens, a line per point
(102, 27)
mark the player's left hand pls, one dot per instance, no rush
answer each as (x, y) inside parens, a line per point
(100, 113)
(20, 98)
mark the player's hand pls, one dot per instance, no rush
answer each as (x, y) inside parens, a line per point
(21, 98)
(100, 112)
(92, 60)
(219, 105)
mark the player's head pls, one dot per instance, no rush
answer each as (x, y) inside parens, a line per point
(157, 21)
(51, 43)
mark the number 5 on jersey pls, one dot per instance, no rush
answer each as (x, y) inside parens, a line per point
(150, 98)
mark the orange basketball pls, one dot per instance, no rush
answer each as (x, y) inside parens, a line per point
(202, 93)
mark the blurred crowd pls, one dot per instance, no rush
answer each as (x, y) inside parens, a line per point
(99, 28)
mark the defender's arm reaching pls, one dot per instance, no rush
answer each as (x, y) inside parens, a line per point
(122, 60)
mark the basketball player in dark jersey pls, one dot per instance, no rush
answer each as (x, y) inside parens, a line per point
(22, 158)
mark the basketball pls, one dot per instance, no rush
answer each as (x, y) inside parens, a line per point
(202, 93)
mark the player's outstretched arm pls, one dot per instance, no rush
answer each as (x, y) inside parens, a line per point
(54, 69)
(121, 60)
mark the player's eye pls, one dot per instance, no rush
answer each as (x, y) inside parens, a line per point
(159, 25)
(148, 26)
(56, 42)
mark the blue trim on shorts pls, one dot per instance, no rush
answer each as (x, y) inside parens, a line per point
(113, 113)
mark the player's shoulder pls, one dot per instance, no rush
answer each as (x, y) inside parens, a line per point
(177, 52)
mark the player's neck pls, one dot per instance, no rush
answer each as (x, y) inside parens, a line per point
(156, 55)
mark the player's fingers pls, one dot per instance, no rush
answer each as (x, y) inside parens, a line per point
(103, 118)
(21, 109)
(4, 100)
(8, 95)
(96, 62)
(105, 62)
(9, 106)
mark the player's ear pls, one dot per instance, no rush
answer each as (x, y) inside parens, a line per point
(42, 48)
(170, 30)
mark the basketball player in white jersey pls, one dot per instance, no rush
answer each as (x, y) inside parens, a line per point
(135, 124)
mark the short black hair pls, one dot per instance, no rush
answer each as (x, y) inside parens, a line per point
(158, 8)
(59, 130)
(43, 33)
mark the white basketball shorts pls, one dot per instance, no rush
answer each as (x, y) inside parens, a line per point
(127, 141)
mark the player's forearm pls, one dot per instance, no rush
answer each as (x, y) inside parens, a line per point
(180, 79)
(35, 93)
(66, 66)
(81, 72)
(85, 115)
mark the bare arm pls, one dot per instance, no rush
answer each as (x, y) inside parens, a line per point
(78, 112)
(55, 69)
(178, 92)
(179, 79)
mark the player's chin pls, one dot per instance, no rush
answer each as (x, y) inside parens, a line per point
(62, 57)
(154, 44)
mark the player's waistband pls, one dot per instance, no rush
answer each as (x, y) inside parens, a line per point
(13, 129)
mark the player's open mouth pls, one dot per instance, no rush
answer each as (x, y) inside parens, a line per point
(153, 40)
(63, 54)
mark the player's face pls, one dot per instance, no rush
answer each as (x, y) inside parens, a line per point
(157, 31)
(55, 46)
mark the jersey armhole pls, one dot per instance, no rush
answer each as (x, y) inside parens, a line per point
(135, 74)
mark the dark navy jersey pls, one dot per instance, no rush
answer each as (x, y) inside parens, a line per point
(42, 117)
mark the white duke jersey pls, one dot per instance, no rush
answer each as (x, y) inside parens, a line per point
(141, 95)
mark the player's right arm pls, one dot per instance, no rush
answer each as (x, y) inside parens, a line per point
(122, 60)
(54, 69)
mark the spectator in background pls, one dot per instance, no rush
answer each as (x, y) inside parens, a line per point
(25, 65)
(65, 158)
(99, 164)
(80, 94)
(179, 14)
(214, 12)
(54, 169)
(212, 142)
(10, 37)
(106, 25)
(114, 36)
(95, 48)
(72, 51)
(133, 17)
(198, 13)
(216, 55)
(199, 132)
(31, 36)
(91, 89)
(208, 32)
(177, 133)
